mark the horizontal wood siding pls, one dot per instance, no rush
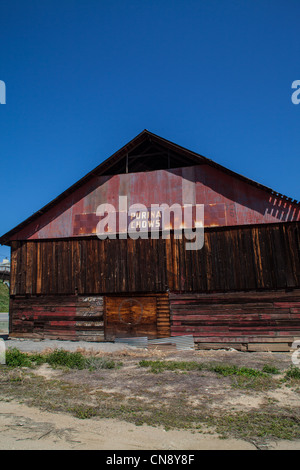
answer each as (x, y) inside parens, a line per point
(163, 316)
(85, 318)
(58, 317)
(238, 319)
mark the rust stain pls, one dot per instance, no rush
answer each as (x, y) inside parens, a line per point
(228, 201)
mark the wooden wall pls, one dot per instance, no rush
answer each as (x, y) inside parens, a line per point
(235, 259)
(89, 318)
(87, 266)
(253, 321)
(137, 315)
(58, 317)
(242, 288)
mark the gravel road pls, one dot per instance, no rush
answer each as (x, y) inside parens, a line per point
(39, 345)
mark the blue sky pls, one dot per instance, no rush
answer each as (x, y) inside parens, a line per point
(84, 77)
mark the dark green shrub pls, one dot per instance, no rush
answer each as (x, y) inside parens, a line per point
(15, 358)
(62, 358)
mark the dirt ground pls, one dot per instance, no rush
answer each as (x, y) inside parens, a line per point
(23, 428)
(135, 408)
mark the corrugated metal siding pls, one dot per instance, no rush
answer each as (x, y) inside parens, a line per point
(227, 201)
(181, 343)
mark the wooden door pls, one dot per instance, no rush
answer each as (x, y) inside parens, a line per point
(130, 316)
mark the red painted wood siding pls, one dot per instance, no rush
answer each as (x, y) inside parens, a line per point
(237, 318)
(58, 317)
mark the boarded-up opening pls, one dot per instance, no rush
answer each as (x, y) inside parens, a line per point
(130, 316)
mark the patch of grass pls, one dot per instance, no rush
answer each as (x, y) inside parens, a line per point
(160, 366)
(259, 383)
(226, 370)
(62, 358)
(37, 359)
(292, 373)
(96, 363)
(16, 379)
(222, 369)
(4, 297)
(83, 412)
(270, 369)
(58, 358)
(259, 425)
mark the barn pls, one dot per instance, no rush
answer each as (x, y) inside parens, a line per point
(240, 289)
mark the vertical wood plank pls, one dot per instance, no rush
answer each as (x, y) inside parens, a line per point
(14, 267)
(29, 267)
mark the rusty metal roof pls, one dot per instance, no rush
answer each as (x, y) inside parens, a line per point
(104, 168)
